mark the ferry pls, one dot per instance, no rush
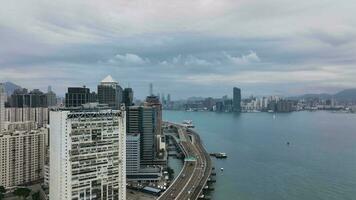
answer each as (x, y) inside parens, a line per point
(219, 155)
(188, 123)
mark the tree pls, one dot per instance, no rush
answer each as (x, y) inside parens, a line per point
(170, 172)
(22, 193)
(36, 196)
(2, 191)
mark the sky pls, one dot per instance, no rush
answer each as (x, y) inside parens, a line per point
(184, 47)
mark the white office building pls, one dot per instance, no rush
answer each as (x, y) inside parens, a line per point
(87, 155)
(132, 154)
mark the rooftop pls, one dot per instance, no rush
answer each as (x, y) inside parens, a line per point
(108, 79)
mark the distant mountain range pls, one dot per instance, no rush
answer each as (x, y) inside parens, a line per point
(344, 95)
(10, 87)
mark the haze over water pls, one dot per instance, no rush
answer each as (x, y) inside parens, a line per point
(319, 163)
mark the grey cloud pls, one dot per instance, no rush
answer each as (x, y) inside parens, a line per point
(333, 39)
(128, 59)
(164, 42)
(249, 58)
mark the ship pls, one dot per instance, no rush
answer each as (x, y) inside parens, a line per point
(219, 155)
(188, 123)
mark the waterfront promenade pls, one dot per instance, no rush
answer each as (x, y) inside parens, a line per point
(188, 185)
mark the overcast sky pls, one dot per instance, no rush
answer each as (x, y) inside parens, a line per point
(184, 47)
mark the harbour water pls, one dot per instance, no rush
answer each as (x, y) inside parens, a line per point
(319, 162)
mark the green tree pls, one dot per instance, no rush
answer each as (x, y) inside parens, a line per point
(22, 193)
(2, 192)
(36, 196)
(170, 172)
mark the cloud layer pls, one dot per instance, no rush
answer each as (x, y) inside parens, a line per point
(185, 48)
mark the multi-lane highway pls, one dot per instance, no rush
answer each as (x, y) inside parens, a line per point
(189, 184)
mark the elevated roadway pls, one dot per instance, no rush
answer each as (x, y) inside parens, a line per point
(188, 185)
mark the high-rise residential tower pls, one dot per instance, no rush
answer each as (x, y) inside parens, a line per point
(21, 98)
(2, 106)
(38, 115)
(236, 99)
(22, 156)
(87, 154)
(110, 92)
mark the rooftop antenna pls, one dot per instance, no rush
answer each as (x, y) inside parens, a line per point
(151, 89)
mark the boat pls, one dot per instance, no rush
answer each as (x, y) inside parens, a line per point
(222, 169)
(219, 155)
(188, 123)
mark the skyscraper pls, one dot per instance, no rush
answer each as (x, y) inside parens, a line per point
(163, 99)
(51, 97)
(110, 92)
(2, 106)
(236, 99)
(153, 101)
(168, 98)
(88, 154)
(128, 97)
(140, 120)
(77, 96)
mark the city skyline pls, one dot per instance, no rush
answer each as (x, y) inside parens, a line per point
(221, 45)
(177, 100)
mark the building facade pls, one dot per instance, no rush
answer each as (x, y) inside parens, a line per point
(2, 106)
(159, 146)
(132, 154)
(77, 96)
(110, 92)
(87, 155)
(284, 106)
(21, 98)
(128, 97)
(153, 101)
(22, 156)
(51, 97)
(20, 126)
(141, 120)
(39, 115)
(236, 99)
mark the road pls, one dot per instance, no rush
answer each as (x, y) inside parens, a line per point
(196, 170)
